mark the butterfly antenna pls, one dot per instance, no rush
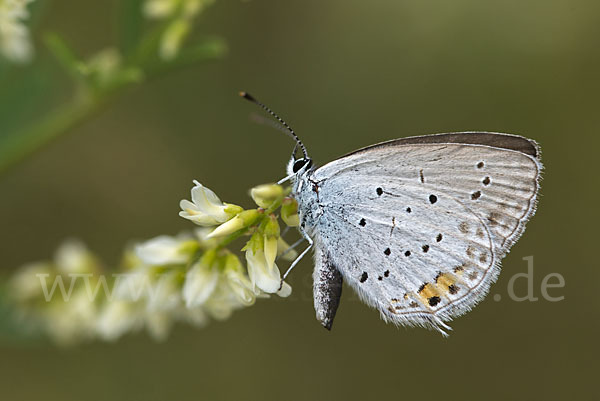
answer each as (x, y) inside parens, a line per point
(291, 132)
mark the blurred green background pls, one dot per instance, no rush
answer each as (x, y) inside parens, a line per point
(344, 74)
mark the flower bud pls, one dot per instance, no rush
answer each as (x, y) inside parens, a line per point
(25, 284)
(116, 318)
(242, 220)
(165, 250)
(173, 38)
(73, 257)
(289, 212)
(237, 280)
(262, 276)
(266, 195)
(159, 8)
(200, 281)
(271, 234)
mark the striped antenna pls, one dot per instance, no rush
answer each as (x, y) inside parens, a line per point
(291, 132)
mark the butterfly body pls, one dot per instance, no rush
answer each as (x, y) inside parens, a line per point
(417, 226)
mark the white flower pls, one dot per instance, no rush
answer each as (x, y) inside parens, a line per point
(68, 322)
(217, 291)
(196, 316)
(141, 298)
(263, 277)
(239, 284)
(285, 290)
(204, 241)
(165, 250)
(72, 257)
(160, 9)
(25, 284)
(206, 209)
(117, 318)
(15, 44)
(200, 283)
(165, 294)
(132, 286)
(222, 302)
(181, 12)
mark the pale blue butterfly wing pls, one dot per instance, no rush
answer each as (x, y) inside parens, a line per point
(418, 226)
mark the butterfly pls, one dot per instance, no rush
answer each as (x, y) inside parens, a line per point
(416, 226)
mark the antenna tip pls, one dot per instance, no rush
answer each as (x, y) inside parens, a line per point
(246, 95)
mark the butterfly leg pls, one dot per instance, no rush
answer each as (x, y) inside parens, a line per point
(291, 248)
(295, 262)
(284, 179)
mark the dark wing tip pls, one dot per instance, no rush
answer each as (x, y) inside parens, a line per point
(498, 140)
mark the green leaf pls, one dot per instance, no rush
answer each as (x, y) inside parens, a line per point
(63, 53)
(130, 25)
(209, 49)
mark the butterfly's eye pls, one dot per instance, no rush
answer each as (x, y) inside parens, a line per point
(298, 164)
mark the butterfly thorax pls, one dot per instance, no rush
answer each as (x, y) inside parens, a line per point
(306, 191)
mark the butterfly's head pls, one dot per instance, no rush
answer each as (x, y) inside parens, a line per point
(297, 166)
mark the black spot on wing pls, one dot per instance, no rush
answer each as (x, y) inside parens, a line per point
(433, 301)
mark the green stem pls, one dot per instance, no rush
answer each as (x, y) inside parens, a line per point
(44, 132)
(89, 101)
(232, 237)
